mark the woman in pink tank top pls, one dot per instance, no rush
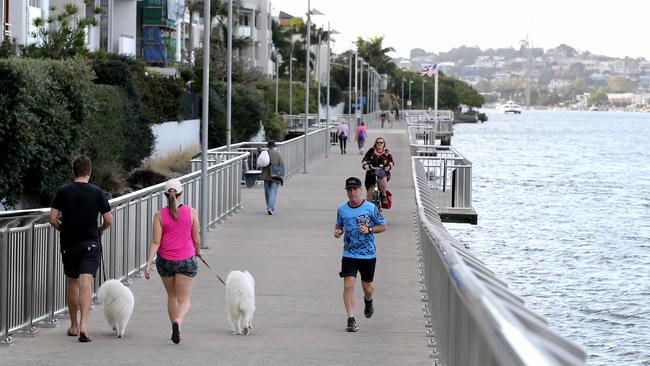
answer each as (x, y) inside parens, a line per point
(176, 244)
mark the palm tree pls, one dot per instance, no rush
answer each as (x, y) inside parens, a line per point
(376, 55)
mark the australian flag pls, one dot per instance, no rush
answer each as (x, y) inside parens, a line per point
(429, 70)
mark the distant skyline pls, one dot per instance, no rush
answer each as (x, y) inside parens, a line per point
(615, 29)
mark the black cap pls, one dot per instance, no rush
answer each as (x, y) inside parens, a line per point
(352, 182)
(271, 143)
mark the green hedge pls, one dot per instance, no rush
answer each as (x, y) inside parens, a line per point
(248, 110)
(44, 113)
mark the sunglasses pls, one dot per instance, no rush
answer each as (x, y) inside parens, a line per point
(380, 142)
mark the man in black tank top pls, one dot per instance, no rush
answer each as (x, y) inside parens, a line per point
(74, 212)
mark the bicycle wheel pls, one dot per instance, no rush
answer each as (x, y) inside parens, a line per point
(376, 198)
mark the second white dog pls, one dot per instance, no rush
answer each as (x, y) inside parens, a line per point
(118, 304)
(240, 299)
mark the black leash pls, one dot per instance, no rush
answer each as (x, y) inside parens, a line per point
(215, 273)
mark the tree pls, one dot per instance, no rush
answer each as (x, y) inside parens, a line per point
(376, 54)
(618, 84)
(62, 35)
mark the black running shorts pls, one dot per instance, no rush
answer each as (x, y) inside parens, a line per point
(84, 258)
(366, 267)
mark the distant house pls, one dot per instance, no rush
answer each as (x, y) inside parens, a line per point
(620, 99)
(283, 18)
(556, 84)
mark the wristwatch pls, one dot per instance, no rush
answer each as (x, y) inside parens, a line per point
(370, 230)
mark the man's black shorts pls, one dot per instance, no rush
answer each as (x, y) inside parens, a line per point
(350, 267)
(84, 258)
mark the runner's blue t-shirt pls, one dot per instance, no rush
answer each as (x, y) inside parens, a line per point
(355, 244)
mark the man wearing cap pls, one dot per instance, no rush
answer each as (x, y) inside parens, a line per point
(271, 183)
(358, 220)
(74, 212)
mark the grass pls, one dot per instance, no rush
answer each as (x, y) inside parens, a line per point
(173, 164)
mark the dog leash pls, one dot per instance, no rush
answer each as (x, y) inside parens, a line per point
(215, 273)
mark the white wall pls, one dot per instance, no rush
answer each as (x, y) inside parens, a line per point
(176, 136)
(124, 23)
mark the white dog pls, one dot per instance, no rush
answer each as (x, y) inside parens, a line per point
(240, 299)
(118, 304)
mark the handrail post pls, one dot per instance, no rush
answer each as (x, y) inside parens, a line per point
(50, 250)
(29, 330)
(6, 339)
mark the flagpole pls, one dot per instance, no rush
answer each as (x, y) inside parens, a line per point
(435, 98)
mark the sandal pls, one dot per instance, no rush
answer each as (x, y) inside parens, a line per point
(84, 338)
(176, 333)
(70, 334)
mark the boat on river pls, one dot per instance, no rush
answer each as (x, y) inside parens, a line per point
(509, 107)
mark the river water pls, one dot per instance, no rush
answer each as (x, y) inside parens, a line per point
(563, 200)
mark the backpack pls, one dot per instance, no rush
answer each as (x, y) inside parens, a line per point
(362, 135)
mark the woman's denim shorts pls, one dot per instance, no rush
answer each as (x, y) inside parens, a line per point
(186, 267)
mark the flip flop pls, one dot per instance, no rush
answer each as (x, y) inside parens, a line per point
(70, 334)
(84, 338)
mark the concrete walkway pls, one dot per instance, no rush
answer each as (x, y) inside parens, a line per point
(295, 260)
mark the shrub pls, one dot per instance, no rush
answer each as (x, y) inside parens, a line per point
(275, 127)
(128, 74)
(105, 144)
(248, 110)
(44, 114)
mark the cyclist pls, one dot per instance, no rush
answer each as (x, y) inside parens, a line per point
(377, 155)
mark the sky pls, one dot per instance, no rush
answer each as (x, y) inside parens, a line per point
(611, 28)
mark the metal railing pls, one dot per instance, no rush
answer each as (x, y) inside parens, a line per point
(32, 283)
(448, 172)
(471, 316)
(291, 151)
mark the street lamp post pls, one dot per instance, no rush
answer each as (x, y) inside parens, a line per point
(350, 87)
(277, 80)
(229, 94)
(291, 82)
(327, 106)
(318, 76)
(360, 106)
(310, 12)
(410, 103)
(402, 94)
(203, 207)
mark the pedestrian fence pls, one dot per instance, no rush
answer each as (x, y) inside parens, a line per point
(471, 316)
(449, 173)
(32, 283)
(443, 121)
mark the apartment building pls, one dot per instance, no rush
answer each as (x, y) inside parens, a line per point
(254, 24)
(115, 31)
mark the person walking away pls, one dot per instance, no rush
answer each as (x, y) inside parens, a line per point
(360, 136)
(74, 212)
(176, 244)
(358, 220)
(377, 155)
(342, 132)
(383, 118)
(396, 113)
(271, 183)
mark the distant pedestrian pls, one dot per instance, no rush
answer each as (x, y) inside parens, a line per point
(396, 108)
(358, 220)
(342, 132)
(360, 136)
(176, 244)
(383, 118)
(74, 212)
(271, 180)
